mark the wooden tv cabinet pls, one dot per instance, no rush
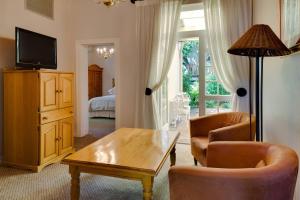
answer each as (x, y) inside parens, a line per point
(38, 117)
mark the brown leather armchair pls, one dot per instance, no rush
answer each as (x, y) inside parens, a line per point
(238, 170)
(231, 126)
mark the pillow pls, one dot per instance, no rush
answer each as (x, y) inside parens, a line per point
(112, 91)
(261, 163)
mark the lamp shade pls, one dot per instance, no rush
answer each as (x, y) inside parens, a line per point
(259, 40)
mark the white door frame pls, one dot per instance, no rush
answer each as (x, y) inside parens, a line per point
(81, 102)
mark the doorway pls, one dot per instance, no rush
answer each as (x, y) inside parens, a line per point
(101, 89)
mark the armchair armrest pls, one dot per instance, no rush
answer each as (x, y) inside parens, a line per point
(236, 132)
(195, 183)
(202, 125)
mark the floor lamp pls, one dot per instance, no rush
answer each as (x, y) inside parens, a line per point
(259, 42)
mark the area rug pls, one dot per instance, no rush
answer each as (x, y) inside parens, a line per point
(54, 183)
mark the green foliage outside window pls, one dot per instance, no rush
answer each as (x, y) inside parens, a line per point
(190, 52)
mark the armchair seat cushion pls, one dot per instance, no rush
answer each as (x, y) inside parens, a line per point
(199, 148)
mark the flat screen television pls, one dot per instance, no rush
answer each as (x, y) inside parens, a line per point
(34, 50)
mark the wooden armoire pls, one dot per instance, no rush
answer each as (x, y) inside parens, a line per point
(38, 117)
(95, 81)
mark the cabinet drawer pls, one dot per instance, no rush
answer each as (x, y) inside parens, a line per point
(50, 116)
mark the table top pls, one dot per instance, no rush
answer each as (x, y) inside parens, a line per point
(142, 150)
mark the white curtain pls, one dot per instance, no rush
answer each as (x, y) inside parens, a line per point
(290, 22)
(226, 21)
(147, 12)
(156, 37)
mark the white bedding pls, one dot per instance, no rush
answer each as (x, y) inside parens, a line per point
(104, 103)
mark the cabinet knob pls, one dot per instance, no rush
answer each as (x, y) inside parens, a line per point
(60, 91)
(57, 139)
(71, 112)
(57, 91)
(45, 118)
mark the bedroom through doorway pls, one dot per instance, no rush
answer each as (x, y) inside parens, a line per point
(101, 89)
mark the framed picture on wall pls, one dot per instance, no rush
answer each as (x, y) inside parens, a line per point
(290, 23)
(42, 7)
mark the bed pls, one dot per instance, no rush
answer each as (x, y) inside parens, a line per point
(103, 106)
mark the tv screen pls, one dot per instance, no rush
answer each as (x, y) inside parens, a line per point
(34, 50)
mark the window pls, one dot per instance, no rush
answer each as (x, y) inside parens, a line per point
(192, 20)
(199, 77)
(217, 99)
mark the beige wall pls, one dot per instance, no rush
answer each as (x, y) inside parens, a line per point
(91, 21)
(13, 14)
(107, 65)
(281, 90)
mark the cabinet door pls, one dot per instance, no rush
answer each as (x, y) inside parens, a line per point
(49, 142)
(65, 90)
(49, 91)
(66, 135)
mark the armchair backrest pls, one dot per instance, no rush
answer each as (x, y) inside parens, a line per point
(234, 171)
(236, 154)
(277, 175)
(203, 125)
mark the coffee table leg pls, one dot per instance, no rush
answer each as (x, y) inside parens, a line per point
(173, 156)
(147, 185)
(75, 182)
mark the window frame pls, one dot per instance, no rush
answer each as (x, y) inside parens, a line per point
(201, 36)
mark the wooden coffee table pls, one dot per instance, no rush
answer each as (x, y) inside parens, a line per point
(137, 154)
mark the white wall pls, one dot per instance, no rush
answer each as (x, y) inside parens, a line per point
(107, 64)
(96, 22)
(13, 13)
(281, 87)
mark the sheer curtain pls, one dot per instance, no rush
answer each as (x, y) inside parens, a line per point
(226, 21)
(156, 33)
(290, 19)
(147, 12)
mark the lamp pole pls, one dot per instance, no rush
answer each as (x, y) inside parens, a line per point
(257, 105)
